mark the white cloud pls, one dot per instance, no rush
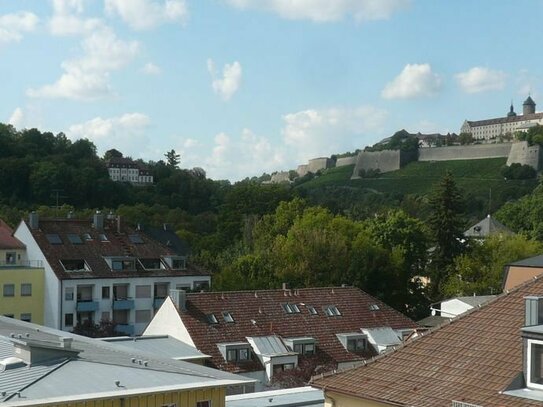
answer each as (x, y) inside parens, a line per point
(480, 79)
(151, 69)
(312, 133)
(66, 19)
(227, 85)
(87, 78)
(190, 143)
(145, 14)
(415, 80)
(17, 118)
(325, 10)
(125, 133)
(12, 26)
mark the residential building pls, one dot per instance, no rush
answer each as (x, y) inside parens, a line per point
(488, 357)
(504, 126)
(41, 366)
(521, 271)
(446, 310)
(261, 333)
(21, 280)
(487, 227)
(105, 270)
(295, 397)
(126, 170)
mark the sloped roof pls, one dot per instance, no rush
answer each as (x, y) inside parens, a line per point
(506, 119)
(94, 369)
(260, 313)
(476, 300)
(487, 227)
(473, 358)
(93, 251)
(536, 261)
(7, 240)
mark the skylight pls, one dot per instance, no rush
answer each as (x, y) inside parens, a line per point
(103, 238)
(87, 236)
(212, 319)
(374, 307)
(332, 311)
(227, 316)
(136, 239)
(53, 238)
(312, 310)
(290, 308)
(74, 239)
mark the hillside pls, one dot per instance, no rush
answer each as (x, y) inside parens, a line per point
(475, 177)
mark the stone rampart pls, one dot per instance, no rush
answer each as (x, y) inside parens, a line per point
(281, 176)
(384, 161)
(343, 161)
(302, 170)
(525, 154)
(317, 164)
(472, 152)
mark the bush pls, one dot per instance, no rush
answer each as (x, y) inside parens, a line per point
(518, 171)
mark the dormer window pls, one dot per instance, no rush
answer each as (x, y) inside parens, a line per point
(121, 263)
(72, 265)
(302, 346)
(151, 264)
(535, 364)
(235, 352)
(354, 342)
(175, 262)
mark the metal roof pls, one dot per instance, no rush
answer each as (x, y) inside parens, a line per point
(158, 345)
(295, 397)
(475, 300)
(384, 336)
(487, 227)
(269, 345)
(536, 261)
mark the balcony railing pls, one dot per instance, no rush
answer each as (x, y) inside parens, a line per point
(123, 304)
(87, 306)
(22, 264)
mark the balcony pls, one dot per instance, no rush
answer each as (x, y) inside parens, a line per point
(125, 329)
(21, 264)
(123, 304)
(158, 302)
(87, 306)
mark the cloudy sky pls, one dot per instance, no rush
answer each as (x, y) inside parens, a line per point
(242, 87)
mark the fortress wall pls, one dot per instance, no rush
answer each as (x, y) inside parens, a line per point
(320, 163)
(384, 161)
(341, 162)
(302, 170)
(472, 152)
(282, 176)
(524, 154)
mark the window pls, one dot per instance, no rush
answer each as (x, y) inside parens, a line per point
(331, 311)
(238, 355)
(11, 258)
(535, 363)
(143, 316)
(120, 291)
(103, 238)
(201, 285)
(304, 348)
(290, 308)
(232, 355)
(69, 294)
(179, 264)
(74, 265)
(74, 239)
(206, 403)
(212, 319)
(9, 315)
(105, 292)
(312, 310)
(123, 264)
(136, 239)
(282, 368)
(53, 238)
(374, 307)
(227, 316)
(9, 290)
(87, 237)
(243, 354)
(68, 319)
(151, 264)
(356, 344)
(143, 291)
(26, 317)
(26, 290)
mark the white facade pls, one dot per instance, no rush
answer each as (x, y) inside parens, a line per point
(454, 307)
(499, 128)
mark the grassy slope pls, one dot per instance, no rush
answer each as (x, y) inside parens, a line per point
(473, 176)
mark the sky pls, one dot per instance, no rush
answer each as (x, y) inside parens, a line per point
(243, 87)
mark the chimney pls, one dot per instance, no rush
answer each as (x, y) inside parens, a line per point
(534, 311)
(66, 342)
(118, 224)
(34, 220)
(285, 286)
(70, 215)
(98, 221)
(179, 298)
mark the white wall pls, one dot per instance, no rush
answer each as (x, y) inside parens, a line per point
(453, 307)
(168, 322)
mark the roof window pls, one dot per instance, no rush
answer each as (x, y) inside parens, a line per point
(103, 238)
(53, 238)
(331, 311)
(136, 239)
(74, 238)
(290, 308)
(227, 316)
(87, 237)
(212, 319)
(312, 310)
(374, 307)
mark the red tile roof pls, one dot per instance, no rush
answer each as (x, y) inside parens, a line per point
(7, 240)
(93, 251)
(471, 359)
(265, 309)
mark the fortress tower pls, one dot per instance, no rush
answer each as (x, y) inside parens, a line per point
(511, 111)
(528, 107)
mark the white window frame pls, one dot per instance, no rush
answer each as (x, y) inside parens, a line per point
(529, 364)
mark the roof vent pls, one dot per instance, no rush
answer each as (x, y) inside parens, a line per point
(33, 220)
(11, 363)
(66, 342)
(98, 221)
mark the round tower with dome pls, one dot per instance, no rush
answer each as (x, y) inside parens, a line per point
(528, 107)
(511, 111)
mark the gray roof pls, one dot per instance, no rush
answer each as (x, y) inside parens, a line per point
(295, 397)
(158, 345)
(476, 300)
(536, 261)
(433, 320)
(487, 227)
(384, 336)
(269, 345)
(89, 368)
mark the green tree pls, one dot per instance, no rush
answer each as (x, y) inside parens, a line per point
(112, 153)
(446, 226)
(172, 158)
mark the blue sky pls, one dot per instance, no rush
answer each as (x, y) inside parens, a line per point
(242, 87)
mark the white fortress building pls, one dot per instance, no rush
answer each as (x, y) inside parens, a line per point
(504, 126)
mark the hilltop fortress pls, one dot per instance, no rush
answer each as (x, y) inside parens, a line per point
(488, 136)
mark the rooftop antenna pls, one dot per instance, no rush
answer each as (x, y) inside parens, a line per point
(489, 200)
